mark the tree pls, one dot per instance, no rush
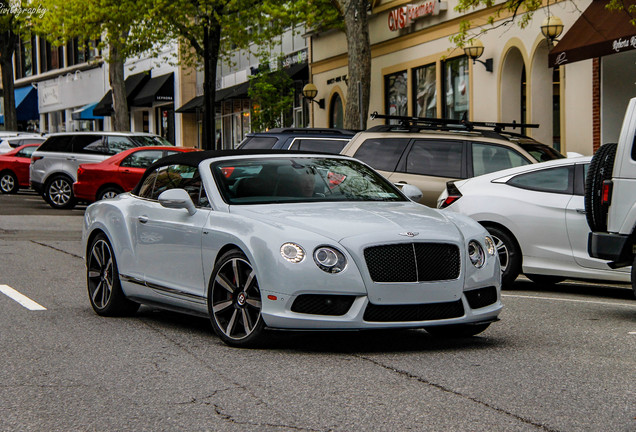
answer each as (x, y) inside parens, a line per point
(272, 94)
(119, 25)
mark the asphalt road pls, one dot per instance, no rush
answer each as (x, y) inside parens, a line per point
(561, 359)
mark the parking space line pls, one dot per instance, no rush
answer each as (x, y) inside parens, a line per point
(571, 300)
(20, 298)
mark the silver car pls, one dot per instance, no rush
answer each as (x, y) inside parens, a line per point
(257, 240)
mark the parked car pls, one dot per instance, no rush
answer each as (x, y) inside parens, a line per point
(14, 168)
(429, 152)
(119, 173)
(54, 165)
(535, 214)
(9, 143)
(304, 139)
(301, 242)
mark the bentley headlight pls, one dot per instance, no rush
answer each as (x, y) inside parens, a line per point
(476, 254)
(329, 259)
(292, 252)
(490, 246)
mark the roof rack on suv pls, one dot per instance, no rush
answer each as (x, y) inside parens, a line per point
(415, 124)
(313, 131)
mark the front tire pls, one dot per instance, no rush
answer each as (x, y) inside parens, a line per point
(509, 255)
(102, 280)
(9, 183)
(58, 192)
(234, 301)
(457, 331)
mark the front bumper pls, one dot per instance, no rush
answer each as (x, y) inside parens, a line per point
(616, 248)
(84, 191)
(37, 186)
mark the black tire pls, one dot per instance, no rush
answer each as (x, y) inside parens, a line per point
(509, 255)
(601, 168)
(234, 301)
(9, 183)
(108, 192)
(102, 281)
(545, 279)
(457, 331)
(58, 192)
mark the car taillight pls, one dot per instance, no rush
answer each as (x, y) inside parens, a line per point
(36, 158)
(607, 192)
(80, 171)
(453, 195)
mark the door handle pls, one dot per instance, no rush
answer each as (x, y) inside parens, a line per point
(142, 219)
(580, 211)
(71, 158)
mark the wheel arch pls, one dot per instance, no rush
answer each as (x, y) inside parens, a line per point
(107, 185)
(502, 227)
(53, 174)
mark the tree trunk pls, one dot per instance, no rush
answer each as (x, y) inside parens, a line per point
(359, 61)
(8, 42)
(212, 45)
(121, 118)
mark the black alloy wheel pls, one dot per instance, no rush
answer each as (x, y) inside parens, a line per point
(58, 192)
(102, 279)
(234, 301)
(8, 183)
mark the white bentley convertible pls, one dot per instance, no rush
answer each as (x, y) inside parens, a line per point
(258, 240)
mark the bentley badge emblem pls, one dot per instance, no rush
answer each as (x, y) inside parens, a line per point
(409, 234)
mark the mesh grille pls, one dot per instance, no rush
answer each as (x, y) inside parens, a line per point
(413, 262)
(421, 312)
(316, 304)
(482, 297)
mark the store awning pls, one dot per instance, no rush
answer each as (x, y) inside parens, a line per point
(26, 104)
(133, 85)
(298, 71)
(157, 89)
(597, 32)
(195, 104)
(86, 113)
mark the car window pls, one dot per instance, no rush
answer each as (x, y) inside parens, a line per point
(333, 146)
(26, 152)
(174, 177)
(382, 153)
(435, 158)
(556, 180)
(255, 143)
(89, 144)
(31, 141)
(489, 158)
(15, 143)
(58, 144)
(541, 152)
(117, 144)
(141, 158)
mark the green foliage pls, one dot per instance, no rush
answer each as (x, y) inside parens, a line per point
(272, 97)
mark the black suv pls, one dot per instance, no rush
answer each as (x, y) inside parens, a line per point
(304, 139)
(54, 164)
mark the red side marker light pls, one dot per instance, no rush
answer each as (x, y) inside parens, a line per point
(272, 297)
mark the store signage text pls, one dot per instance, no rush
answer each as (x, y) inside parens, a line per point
(621, 43)
(404, 16)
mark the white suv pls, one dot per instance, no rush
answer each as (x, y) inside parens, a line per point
(610, 198)
(54, 164)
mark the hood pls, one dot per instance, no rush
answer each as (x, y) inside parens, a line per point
(339, 221)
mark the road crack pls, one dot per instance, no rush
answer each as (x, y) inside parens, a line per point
(456, 393)
(57, 249)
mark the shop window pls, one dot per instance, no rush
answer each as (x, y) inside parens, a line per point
(336, 112)
(455, 92)
(425, 91)
(396, 97)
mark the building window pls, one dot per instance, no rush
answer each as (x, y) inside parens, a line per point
(425, 91)
(336, 112)
(455, 92)
(50, 56)
(396, 97)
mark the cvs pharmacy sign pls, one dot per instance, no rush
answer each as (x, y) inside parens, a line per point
(405, 15)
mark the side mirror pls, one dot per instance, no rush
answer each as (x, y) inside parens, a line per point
(177, 199)
(412, 192)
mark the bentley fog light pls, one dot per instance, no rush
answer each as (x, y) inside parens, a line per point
(292, 252)
(476, 254)
(490, 246)
(329, 259)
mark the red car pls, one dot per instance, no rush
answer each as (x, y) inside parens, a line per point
(119, 173)
(14, 168)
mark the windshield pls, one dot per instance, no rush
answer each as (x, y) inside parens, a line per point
(300, 179)
(541, 152)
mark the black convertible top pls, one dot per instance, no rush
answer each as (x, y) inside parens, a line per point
(195, 157)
